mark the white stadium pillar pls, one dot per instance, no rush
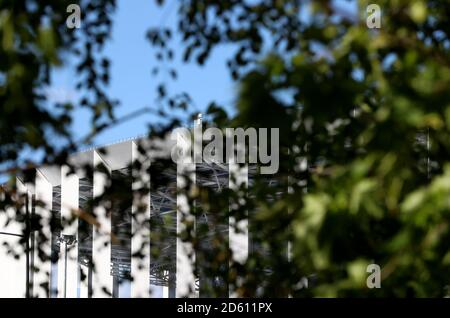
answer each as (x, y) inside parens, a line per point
(140, 229)
(83, 284)
(238, 229)
(13, 272)
(68, 257)
(78, 161)
(185, 276)
(44, 195)
(102, 282)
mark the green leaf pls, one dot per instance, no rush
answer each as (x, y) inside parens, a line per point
(418, 11)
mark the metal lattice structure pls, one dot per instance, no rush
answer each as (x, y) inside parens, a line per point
(85, 229)
(68, 192)
(163, 209)
(215, 177)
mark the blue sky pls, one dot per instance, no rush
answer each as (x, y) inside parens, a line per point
(132, 59)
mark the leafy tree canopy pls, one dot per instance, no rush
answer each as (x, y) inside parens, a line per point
(364, 116)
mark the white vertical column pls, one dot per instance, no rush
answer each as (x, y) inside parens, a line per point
(12, 271)
(83, 287)
(28, 191)
(140, 229)
(68, 264)
(185, 277)
(185, 269)
(83, 269)
(43, 195)
(238, 229)
(101, 250)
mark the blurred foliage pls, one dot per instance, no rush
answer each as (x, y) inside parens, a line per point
(364, 116)
(34, 42)
(367, 109)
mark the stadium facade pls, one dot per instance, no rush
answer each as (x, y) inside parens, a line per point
(76, 248)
